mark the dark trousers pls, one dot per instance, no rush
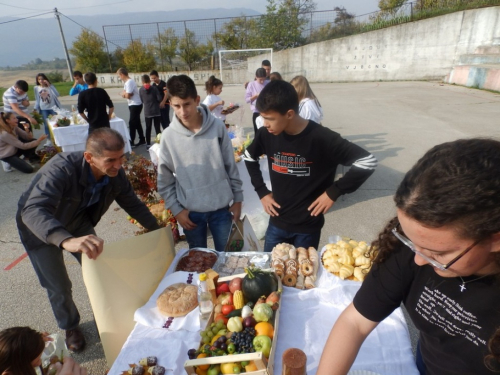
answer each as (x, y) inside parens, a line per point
(254, 117)
(149, 123)
(48, 262)
(134, 122)
(165, 116)
(21, 165)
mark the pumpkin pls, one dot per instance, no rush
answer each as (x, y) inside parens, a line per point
(257, 283)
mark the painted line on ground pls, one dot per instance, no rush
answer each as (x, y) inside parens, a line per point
(14, 263)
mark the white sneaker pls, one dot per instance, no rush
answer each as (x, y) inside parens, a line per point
(6, 167)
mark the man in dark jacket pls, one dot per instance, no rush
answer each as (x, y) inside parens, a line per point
(59, 210)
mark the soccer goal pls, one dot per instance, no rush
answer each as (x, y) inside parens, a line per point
(238, 66)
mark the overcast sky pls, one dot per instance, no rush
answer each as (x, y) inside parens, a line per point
(25, 8)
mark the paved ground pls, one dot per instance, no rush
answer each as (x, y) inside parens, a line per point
(396, 121)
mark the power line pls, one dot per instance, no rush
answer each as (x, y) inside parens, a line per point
(25, 18)
(85, 28)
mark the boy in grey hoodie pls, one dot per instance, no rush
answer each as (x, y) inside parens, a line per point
(197, 174)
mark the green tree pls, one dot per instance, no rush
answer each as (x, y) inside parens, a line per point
(239, 33)
(139, 57)
(168, 43)
(284, 23)
(117, 60)
(88, 50)
(193, 52)
(390, 6)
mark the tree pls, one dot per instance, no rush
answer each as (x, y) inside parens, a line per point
(168, 43)
(139, 56)
(283, 24)
(117, 60)
(88, 49)
(390, 5)
(192, 51)
(239, 33)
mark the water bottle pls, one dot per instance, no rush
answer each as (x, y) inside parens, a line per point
(204, 298)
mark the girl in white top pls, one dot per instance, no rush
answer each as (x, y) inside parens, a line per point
(213, 101)
(309, 107)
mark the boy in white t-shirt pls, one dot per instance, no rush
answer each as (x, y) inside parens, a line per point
(131, 93)
(213, 101)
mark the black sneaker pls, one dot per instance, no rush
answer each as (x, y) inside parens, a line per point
(140, 143)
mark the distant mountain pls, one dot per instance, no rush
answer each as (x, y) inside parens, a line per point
(40, 38)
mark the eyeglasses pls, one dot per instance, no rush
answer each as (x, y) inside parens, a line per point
(435, 263)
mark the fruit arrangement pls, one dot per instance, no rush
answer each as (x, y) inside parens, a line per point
(243, 323)
(296, 267)
(63, 121)
(230, 109)
(146, 366)
(347, 259)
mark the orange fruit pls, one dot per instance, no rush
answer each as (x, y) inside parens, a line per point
(264, 328)
(199, 371)
(251, 367)
(203, 367)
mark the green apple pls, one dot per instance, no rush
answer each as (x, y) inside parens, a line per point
(262, 344)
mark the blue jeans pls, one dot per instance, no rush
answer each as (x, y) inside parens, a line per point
(219, 222)
(275, 235)
(45, 114)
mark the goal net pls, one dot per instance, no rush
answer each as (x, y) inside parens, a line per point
(238, 66)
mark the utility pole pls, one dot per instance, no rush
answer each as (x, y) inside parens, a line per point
(68, 61)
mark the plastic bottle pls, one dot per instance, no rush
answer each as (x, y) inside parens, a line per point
(204, 298)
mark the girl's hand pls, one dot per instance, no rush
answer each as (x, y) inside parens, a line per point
(221, 102)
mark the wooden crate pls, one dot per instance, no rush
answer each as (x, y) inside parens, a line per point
(264, 366)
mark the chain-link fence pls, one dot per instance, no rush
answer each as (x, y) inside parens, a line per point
(194, 44)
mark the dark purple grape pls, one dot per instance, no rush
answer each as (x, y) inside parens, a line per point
(217, 344)
(222, 339)
(192, 353)
(223, 346)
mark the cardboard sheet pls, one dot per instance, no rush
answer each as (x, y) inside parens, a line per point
(121, 280)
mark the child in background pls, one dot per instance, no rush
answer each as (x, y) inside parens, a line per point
(213, 101)
(309, 107)
(151, 98)
(253, 90)
(45, 98)
(21, 351)
(275, 76)
(197, 174)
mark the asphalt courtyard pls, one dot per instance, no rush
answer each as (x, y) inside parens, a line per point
(396, 121)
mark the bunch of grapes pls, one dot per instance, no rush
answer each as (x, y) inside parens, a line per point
(211, 331)
(243, 340)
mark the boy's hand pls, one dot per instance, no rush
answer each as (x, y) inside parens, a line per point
(183, 219)
(321, 205)
(270, 205)
(235, 209)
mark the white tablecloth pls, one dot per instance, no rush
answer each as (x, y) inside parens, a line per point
(306, 319)
(73, 137)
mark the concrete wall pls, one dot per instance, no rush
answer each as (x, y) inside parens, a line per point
(426, 49)
(112, 80)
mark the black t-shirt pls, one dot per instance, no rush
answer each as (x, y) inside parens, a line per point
(94, 101)
(454, 326)
(302, 167)
(162, 88)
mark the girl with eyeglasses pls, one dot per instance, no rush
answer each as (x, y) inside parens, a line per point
(440, 257)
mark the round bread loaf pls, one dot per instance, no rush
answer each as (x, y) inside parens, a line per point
(177, 300)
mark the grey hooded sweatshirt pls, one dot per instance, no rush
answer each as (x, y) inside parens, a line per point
(197, 171)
